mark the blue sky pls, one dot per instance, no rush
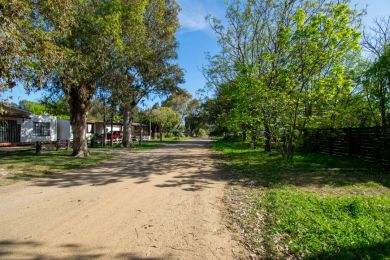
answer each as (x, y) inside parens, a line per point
(196, 39)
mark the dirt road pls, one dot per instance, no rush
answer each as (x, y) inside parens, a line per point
(158, 204)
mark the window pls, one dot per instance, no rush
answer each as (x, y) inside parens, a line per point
(41, 129)
(90, 129)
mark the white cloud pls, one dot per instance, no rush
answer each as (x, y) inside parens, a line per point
(193, 13)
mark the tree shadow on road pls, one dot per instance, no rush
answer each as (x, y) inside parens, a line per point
(29, 249)
(193, 166)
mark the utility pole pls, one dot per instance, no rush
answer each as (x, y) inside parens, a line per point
(104, 121)
(150, 129)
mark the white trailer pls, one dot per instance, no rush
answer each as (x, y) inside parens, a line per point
(38, 128)
(64, 130)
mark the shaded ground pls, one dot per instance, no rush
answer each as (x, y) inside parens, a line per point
(26, 165)
(315, 207)
(159, 204)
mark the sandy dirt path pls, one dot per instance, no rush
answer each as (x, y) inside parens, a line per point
(158, 204)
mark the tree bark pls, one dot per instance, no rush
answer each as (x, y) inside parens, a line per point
(79, 102)
(154, 132)
(126, 113)
(267, 144)
(104, 124)
(112, 127)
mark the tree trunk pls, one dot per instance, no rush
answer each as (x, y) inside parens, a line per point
(267, 144)
(289, 149)
(140, 135)
(79, 102)
(154, 132)
(126, 139)
(244, 136)
(161, 134)
(38, 147)
(104, 125)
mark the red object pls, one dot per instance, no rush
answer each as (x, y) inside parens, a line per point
(115, 135)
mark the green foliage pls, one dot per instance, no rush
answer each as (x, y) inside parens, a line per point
(283, 65)
(59, 108)
(87, 40)
(305, 210)
(188, 109)
(147, 68)
(377, 84)
(73, 47)
(33, 107)
(202, 133)
(376, 79)
(346, 227)
(166, 118)
(273, 162)
(178, 101)
(18, 44)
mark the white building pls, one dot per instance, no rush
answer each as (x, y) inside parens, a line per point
(18, 126)
(64, 130)
(39, 128)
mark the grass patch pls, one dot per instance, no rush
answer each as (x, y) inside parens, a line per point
(146, 145)
(343, 227)
(27, 165)
(308, 209)
(171, 139)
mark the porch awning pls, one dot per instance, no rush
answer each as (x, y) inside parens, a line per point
(11, 111)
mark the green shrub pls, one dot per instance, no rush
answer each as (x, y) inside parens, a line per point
(202, 133)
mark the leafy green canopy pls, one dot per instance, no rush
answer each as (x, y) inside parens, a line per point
(283, 65)
(165, 117)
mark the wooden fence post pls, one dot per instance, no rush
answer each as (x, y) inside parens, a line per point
(38, 147)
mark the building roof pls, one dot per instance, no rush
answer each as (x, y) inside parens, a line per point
(12, 111)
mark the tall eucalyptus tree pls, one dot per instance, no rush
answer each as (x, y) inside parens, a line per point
(85, 36)
(149, 70)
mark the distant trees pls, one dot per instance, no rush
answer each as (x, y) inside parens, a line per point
(376, 79)
(178, 101)
(182, 102)
(33, 107)
(190, 109)
(58, 108)
(148, 69)
(166, 119)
